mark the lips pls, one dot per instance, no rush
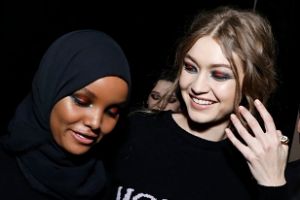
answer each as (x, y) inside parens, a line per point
(84, 138)
(201, 101)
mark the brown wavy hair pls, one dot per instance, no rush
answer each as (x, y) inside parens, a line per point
(247, 34)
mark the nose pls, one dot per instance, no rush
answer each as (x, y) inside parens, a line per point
(161, 105)
(93, 118)
(200, 84)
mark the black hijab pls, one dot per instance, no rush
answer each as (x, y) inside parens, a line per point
(71, 62)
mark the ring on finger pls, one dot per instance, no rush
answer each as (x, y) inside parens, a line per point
(284, 139)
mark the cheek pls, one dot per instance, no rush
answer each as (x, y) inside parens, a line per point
(173, 106)
(184, 81)
(151, 101)
(108, 124)
(225, 91)
(62, 114)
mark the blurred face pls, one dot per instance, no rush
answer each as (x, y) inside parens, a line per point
(80, 120)
(207, 82)
(161, 88)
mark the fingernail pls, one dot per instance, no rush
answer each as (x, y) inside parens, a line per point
(232, 116)
(257, 102)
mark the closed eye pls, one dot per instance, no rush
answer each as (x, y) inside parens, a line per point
(172, 99)
(80, 101)
(155, 96)
(220, 76)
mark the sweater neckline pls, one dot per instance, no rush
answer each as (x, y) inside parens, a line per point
(192, 139)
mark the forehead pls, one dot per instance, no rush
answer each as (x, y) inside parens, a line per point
(207, 51)
(109, 88)
(162, 85)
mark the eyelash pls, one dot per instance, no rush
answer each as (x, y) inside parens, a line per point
(80, 102)
(217, 75)
(170, 100)
(155, 96)
(112, 113)
(190, 68)
(220, 76)
(109, 111)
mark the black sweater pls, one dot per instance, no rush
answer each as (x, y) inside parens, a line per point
(293, 178)
(162, 161)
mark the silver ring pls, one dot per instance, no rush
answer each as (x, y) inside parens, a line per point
(284, 139)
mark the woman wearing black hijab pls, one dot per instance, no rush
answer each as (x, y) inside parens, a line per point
(48, 153)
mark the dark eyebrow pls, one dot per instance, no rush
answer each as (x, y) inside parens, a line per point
(212, 66)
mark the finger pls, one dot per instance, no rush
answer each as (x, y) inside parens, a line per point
(265, 115)
(252, 123)
(283, 139)
(238, 144)
(242, 131)
(279, 133)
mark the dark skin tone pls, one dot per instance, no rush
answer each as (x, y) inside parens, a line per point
(80, 120)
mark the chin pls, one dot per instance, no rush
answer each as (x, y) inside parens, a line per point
(200, 120)
(78, 151)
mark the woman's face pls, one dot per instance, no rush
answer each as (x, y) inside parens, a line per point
(207, 82)
(81, 120)
(161, 87)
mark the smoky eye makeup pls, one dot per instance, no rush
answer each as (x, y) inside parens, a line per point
(155, 95)
(221, 75)
(190, 68)
(81, 100)
(172, 99)
(113, 111)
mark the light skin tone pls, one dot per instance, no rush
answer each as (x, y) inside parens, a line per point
(208, 88)
(160, 88)
(266, 156)
(80, 120)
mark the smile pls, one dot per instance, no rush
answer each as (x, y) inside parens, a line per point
(201, 101)
(84, 139)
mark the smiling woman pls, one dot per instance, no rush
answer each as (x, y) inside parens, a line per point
(81, 120)
(77, 95)
(225, 62)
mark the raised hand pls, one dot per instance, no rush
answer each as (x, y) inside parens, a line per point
(265, 150)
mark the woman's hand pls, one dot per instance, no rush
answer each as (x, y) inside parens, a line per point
(264, 151)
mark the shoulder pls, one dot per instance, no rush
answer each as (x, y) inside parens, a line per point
(9, 168)
(12, 182)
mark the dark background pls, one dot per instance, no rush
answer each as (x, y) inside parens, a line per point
(146, 31)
